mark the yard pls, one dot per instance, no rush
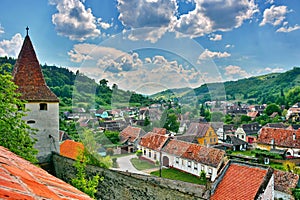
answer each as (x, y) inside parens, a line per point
(178, 175)
(142, 164)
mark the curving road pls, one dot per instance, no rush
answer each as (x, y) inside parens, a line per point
(125, 165)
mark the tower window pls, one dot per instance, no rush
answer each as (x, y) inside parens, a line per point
(43, 106)
(30, 122)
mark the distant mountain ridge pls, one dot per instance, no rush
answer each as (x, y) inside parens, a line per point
(259, 89)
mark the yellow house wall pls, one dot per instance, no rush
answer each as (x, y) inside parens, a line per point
(209, 137)
(264, 146)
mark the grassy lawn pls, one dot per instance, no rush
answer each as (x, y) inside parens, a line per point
(243, 153)
(178, 175)
(121, 155)
(141, 164)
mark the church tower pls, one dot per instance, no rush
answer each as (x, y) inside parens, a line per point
(42, 103)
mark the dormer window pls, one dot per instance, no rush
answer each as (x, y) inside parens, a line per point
(43, 106)
(294, 136)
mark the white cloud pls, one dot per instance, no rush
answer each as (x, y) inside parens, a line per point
(73, 20)
(229, 46)
(207, 54)
(288, 29)
(273, 70)
(12, 47)
(104, 25)
(215, 37)
(215, 15)
(130, 72)
(235, 72)
(274, 15)
(1, 30)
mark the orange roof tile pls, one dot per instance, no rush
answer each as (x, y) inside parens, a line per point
(206, 155)
(19, 179)
(71, 149)
(153, 141)
(241, 182)
(161, 131)
(28, 76)
(281, 137)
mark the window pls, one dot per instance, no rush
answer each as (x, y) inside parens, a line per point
(43, 106)
(182, 162)
(154, 156)
(195, 166)
(202, 168)
(149, 153)
(144, 152)
(30, 122)
(214, 139)
(177, 160)
(209, 170)
(210, 140)
(242, 136)
(189, 164)
(204, 141)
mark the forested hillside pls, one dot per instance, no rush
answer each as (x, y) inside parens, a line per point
(79, 90)
(275, 88)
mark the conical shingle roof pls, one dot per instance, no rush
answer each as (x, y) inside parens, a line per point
(28, 76)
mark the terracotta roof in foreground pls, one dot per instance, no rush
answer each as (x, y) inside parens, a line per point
(71, 149)
(19, 179)
(242, 182)
(27, 75)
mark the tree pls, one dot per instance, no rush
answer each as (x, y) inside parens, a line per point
(171, 123)
(271, 108)
(15, 132)
(88, 186)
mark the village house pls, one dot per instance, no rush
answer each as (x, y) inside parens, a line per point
(280, 139)
(193, 158)
(253, 114)
(130, 137)
(240, 133)
(188, 157)
(240, 180)
(293, 113)
(201, 133)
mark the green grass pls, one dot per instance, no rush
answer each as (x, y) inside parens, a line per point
(243, 153)
(141, 164)
(121, 155)
(178, 175)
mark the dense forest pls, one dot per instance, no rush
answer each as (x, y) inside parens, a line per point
(279, 88)
(76, 89)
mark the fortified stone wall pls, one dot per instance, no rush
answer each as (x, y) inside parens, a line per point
(122, 185)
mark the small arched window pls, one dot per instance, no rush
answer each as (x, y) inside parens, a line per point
(43, 106)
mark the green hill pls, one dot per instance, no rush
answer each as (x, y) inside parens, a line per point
(259, 89)
(80, 90)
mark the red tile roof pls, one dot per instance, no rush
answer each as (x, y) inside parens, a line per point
(71, 149)
(153, 141)
(28, 76)
(284, 181)
(206, 155)
(282, 137)
(252, 114)
(131, 134)
(161, 131)
(240, 182)
(19, 179)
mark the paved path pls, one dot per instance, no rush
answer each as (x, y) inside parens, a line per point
(125, 165)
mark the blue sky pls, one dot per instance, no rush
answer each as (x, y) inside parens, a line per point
(150, 45)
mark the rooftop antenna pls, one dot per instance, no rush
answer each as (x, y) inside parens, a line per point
(27, 31)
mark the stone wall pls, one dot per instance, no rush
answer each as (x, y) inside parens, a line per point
(121, 185)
